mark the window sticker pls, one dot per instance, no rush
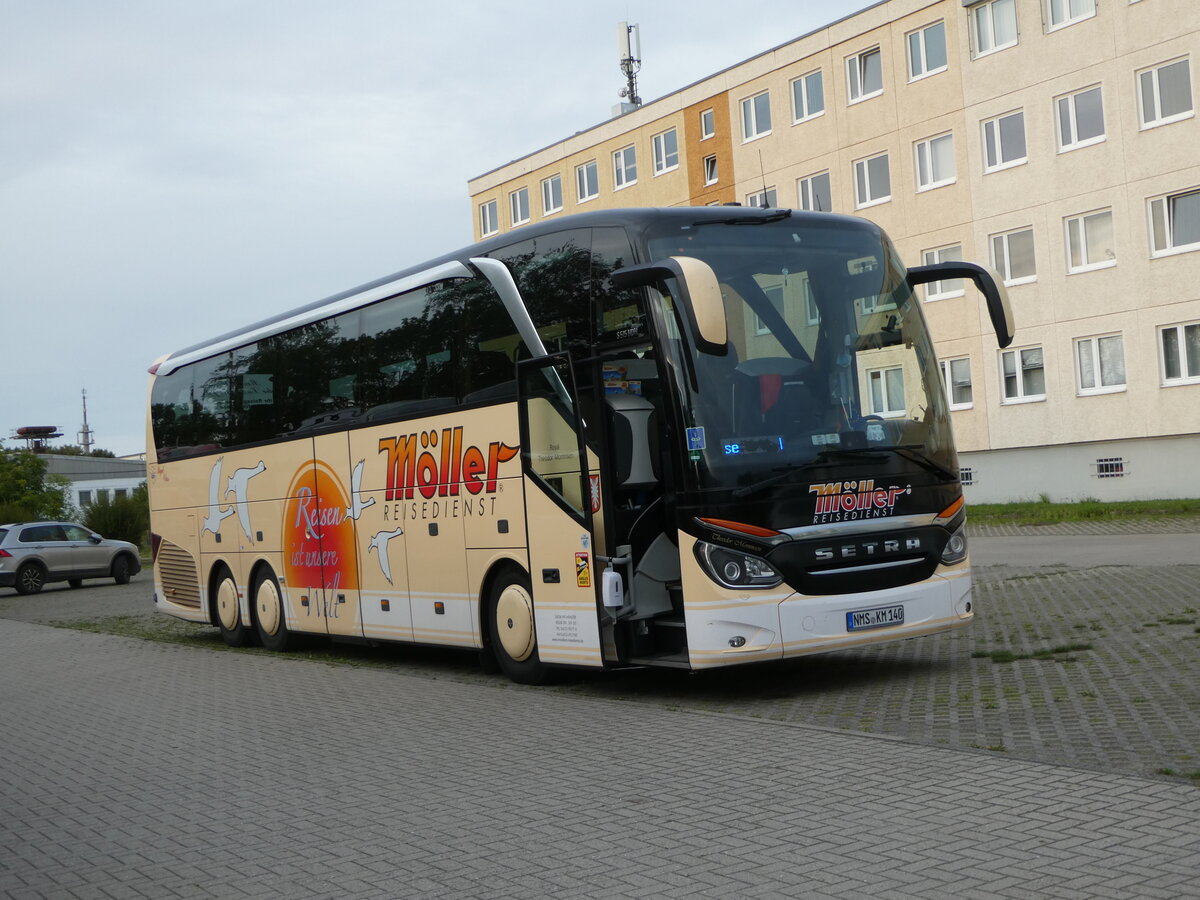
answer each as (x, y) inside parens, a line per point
(695, 438)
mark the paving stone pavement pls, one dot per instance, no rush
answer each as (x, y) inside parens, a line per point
(140, 769)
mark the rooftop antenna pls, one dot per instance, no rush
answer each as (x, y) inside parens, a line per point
(85, 431)
(629, 45)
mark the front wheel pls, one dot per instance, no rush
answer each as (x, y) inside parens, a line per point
(120, 570)
(227, 606)
(269, 617)
(511, 625)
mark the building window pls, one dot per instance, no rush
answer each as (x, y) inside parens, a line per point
(1175, 223)
(625, 167)
(1013, 258)
(518, 205)
(762, 199)
(666, 151)
(708, 125)
(710, 169)
(935, 162)
(1100, 364)
(489, 219)
(951, 287)
(1110, 467)
(1023, 374)
(872, 180)
(1181, 354)
(808, 96)
(1090, 241)
(966, 475)
(1004, 142)
(1165, 93)
(864, 74)
(756, 116)
(886, 390)
(552, 199)
(587, 184)
(956, 376)
(85, 498)
(1068, 12)
(994, 26)
(1080, 119)
(927, 51)
(814, 193)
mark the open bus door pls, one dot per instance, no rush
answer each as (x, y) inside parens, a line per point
(559, 507)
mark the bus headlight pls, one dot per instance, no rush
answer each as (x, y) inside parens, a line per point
(734, 569)
(955, 550)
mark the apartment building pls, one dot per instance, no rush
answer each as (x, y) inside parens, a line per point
(1054, 140)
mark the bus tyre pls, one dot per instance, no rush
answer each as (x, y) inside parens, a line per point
(227, 610)
(269, 616)
(511, 626)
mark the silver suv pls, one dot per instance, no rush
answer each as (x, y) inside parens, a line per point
(33, 553)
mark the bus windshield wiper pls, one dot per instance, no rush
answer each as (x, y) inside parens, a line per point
(774, 216)
(912, 452)
(781, 473)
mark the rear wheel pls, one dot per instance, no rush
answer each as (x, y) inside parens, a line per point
(269, 618)
(31, 578)
(120, 570)
(514, 637)
(227, 607)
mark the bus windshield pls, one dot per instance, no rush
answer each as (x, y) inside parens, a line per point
(829, 360)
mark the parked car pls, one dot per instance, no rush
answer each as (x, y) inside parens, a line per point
(34, 553)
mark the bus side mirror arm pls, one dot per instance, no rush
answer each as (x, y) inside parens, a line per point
(699, 295)
(988, 284)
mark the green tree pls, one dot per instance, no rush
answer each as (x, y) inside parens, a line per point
(27, 493)
(122, 518)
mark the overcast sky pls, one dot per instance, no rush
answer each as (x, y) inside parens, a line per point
(173, 170)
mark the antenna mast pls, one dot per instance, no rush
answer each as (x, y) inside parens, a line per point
(85, 432)
(629, 43)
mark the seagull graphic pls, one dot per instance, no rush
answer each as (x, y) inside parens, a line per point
(216, 514)
(379, 542)
(357, 504)
(238, 483)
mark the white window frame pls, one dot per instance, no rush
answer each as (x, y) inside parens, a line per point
(1017, 354)
(977, 19)
(663, 154)
(993, 127)
(889, 410)
(1186, 375)
(489, 218)
(581, 181)
(859, 202)
(752, 128)
(856, 70)
(767, 198)
(550, 204)
(947, 369)
(806, 197)
(800, 103)
(1159, 120)
(708, 124)
(922, 41)
(1087, 265)
(1161, 212)
(518, 206)
(1068, 18)
(1065, 146)
(923, 153)
(711, 174)
(950, 287)
(1004, 266)
(1091, 345)
(624, 160)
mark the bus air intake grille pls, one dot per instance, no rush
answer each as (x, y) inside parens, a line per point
(177, 569)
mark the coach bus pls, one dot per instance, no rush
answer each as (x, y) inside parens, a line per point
(689, 437)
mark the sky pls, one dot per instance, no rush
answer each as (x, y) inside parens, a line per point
(170, 170)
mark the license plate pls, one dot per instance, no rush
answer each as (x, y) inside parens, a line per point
(862, 619)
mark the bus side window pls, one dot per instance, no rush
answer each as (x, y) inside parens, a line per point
(553, 273)
(618, 313)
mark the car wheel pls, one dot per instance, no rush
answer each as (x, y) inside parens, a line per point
(511, 626)
(269, 617)
(120, 570)
(227, 610)
(75, 583)
(31, 578)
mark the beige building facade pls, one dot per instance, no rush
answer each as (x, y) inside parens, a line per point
(1054, 140)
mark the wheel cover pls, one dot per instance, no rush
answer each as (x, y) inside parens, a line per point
(227, 604)
(270, 610)
(514, 622)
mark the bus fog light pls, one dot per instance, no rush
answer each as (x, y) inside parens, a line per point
(734, 569)
(955, 550)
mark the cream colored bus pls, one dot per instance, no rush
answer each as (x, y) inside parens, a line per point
(685, 437)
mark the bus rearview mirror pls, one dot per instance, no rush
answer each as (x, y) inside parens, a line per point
(699, 295)
(989, 285)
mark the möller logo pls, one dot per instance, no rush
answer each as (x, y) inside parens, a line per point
(846, 501)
